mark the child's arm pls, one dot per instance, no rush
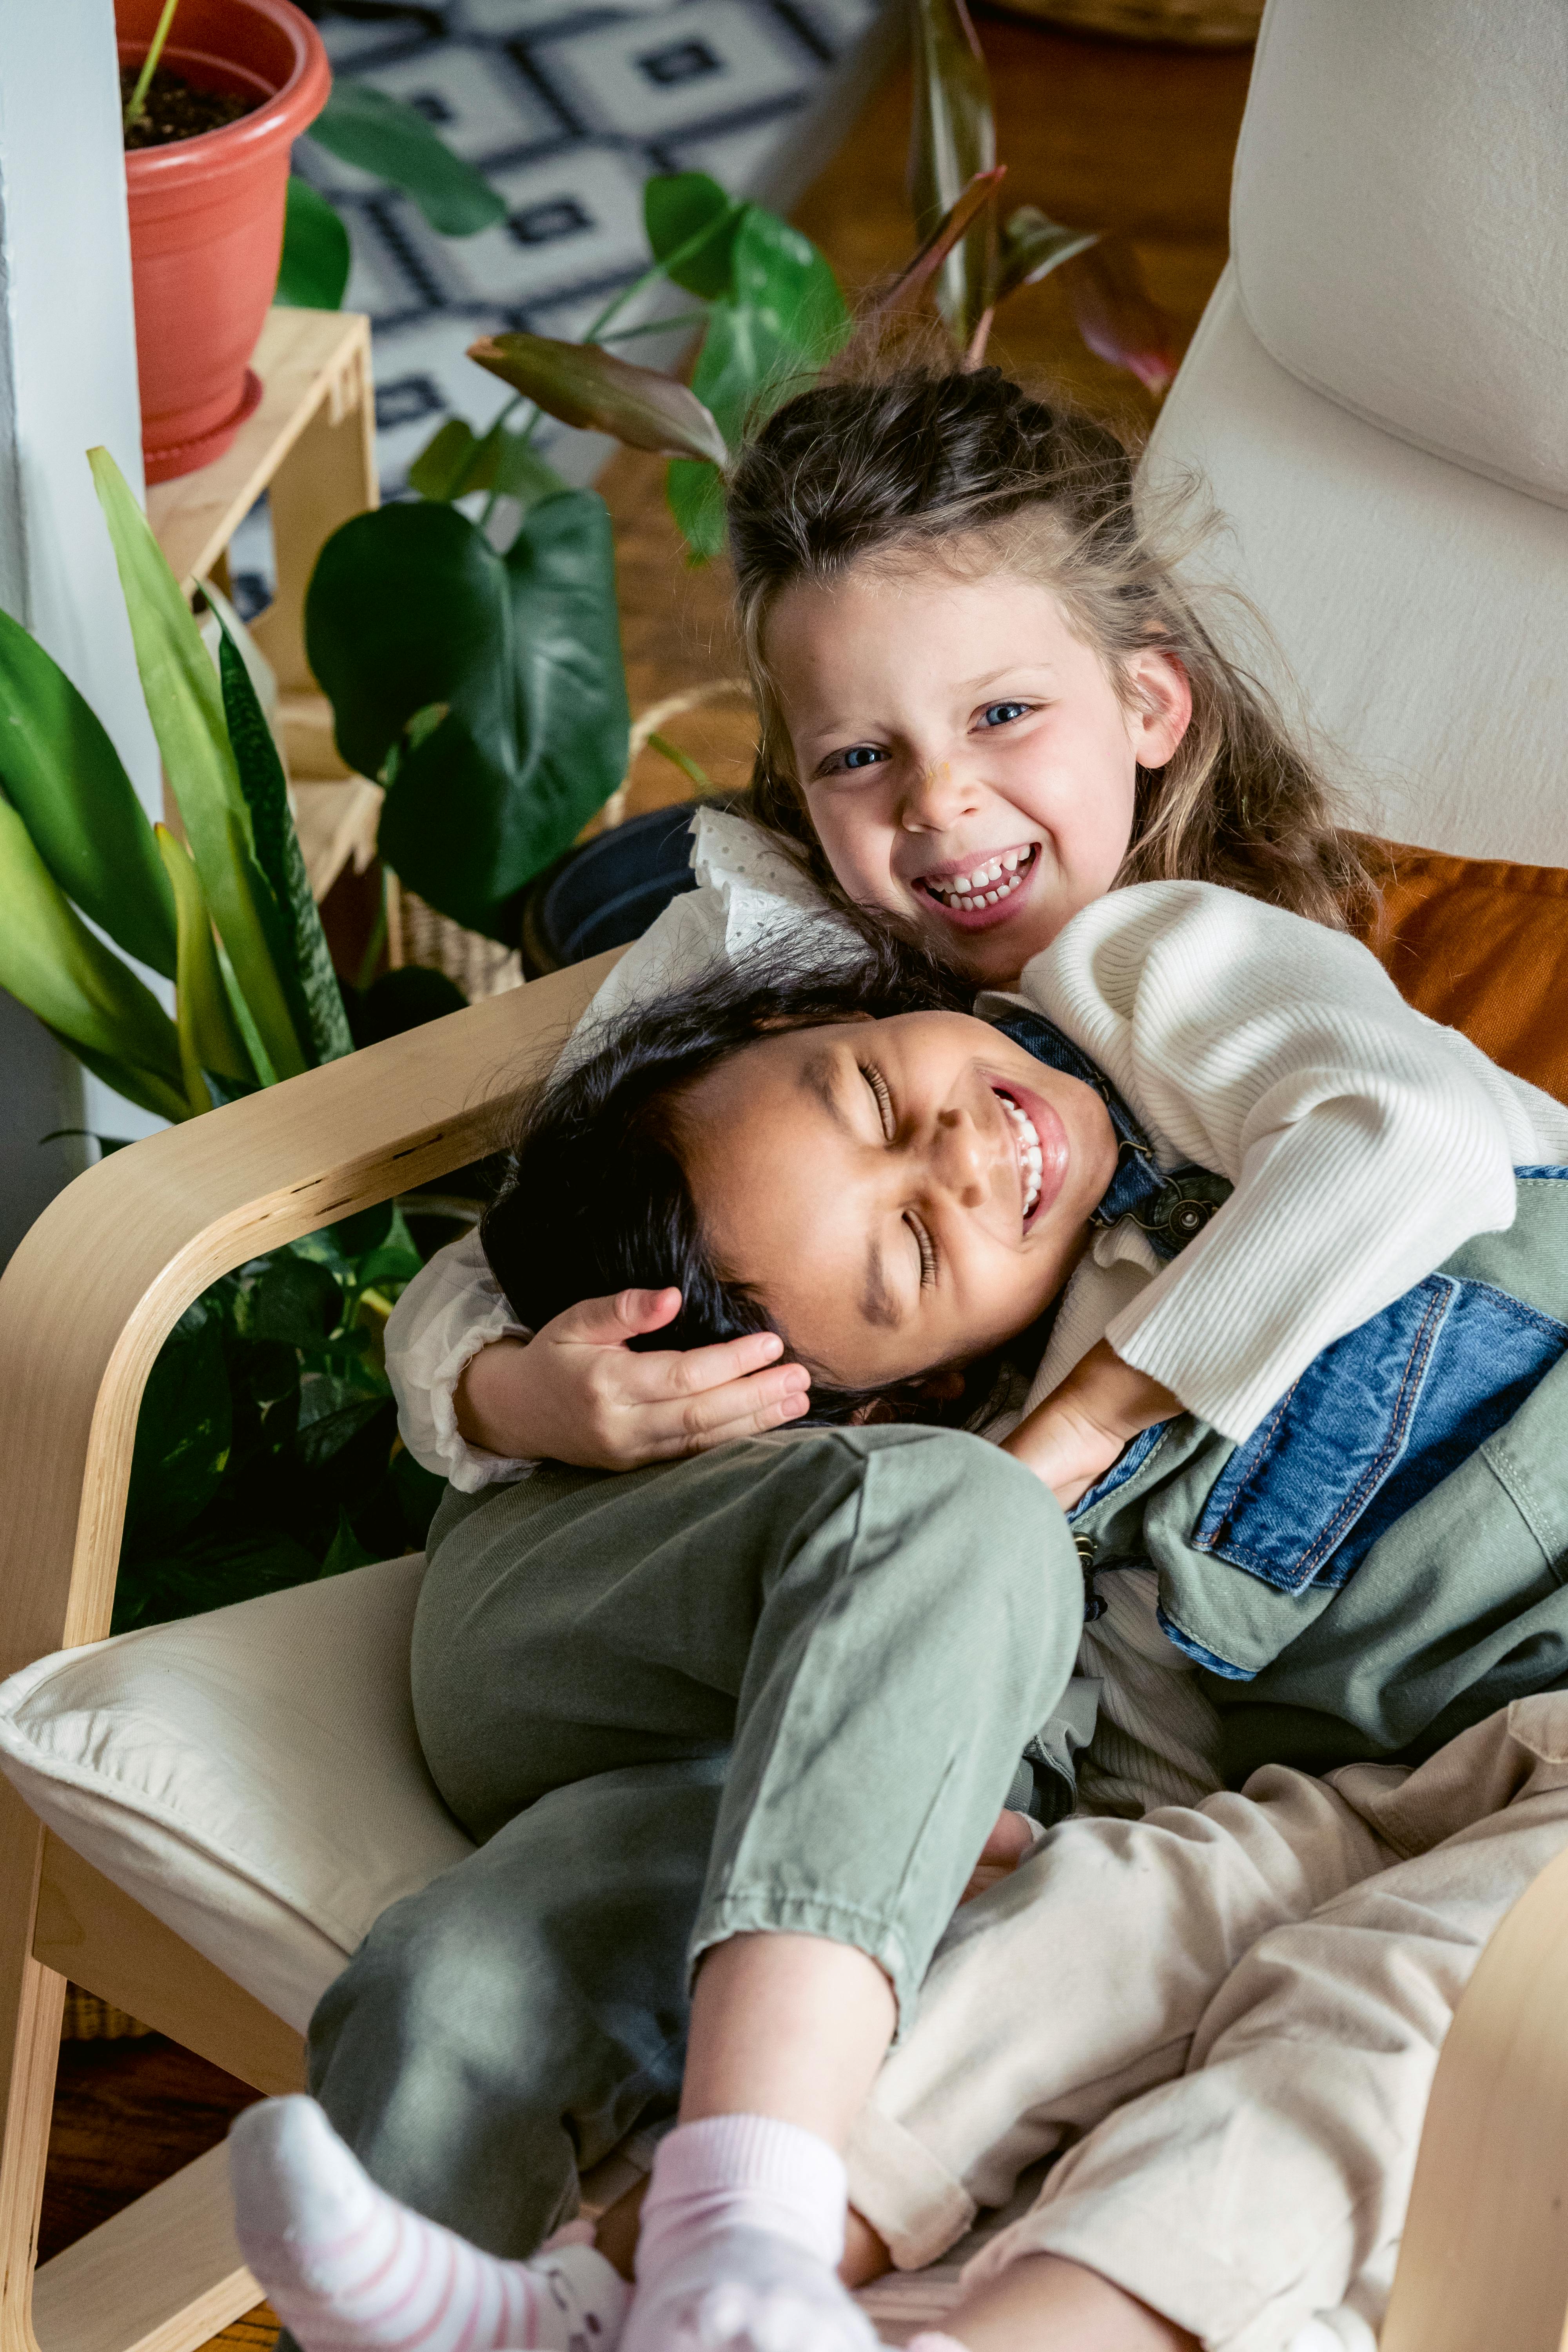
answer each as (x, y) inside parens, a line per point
(1365, 1144)
(1071, 1438)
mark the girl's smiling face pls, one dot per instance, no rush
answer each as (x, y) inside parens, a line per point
(901, 1194)
(965, 759)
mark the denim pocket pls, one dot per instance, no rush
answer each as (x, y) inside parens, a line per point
(1373, 1424)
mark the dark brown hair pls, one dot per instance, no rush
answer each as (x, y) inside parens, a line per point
(970, 472)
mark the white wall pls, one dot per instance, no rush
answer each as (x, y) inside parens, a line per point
(67, 380)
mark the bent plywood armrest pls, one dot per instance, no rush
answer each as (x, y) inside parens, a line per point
(85, 1305)
(1484, 2262)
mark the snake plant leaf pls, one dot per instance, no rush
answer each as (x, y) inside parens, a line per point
(63, 776)
(953, 136)
(593, 389)
(1116, 315)
(691, 224)
(1031, 245)
(380, 134)
(208, 1038)
(313, 269)
(315, 1000)
(80, 989)
(186, 707)
(411, 609)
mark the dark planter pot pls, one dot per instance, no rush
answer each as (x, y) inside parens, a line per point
(606, 894)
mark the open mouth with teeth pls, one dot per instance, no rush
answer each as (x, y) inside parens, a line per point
(989, 883)
(1027, 1145)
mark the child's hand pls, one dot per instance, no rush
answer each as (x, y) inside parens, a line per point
(575, 1393)
(1013, 1837)
(1075, 1436)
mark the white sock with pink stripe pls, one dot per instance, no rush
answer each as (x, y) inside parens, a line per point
(348, 2269)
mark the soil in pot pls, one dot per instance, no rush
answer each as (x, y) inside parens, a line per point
(175, 107)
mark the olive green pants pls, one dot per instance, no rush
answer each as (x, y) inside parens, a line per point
(784, 1687)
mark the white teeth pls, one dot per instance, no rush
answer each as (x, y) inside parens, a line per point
(997, 879)
(1030, 1156)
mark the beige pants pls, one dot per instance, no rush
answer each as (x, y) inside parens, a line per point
(1229, 2015)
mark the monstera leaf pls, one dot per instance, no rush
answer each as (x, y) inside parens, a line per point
(487, 691)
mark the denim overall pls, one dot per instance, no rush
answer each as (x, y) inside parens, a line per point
(1381, 1563)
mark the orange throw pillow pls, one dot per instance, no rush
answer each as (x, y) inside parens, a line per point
(1483, 947)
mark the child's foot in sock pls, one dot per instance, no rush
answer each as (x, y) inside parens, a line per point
(348, 2269)
(742, 2228)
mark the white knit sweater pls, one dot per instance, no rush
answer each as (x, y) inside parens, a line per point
(1365, 1142)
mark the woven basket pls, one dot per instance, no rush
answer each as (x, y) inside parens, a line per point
(1194, 24)
(88, 2018)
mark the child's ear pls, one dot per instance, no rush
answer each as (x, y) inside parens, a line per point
(1163, 709)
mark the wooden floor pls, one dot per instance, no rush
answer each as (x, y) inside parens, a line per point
(1100, 135)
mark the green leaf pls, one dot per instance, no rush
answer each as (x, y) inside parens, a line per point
(313, 271)
(184, 704)
(315, 1000)
(779, 274)
(691, 223)
(296, 1300)
(786, 320)
(346, 1550)
(357, 1236)
(410, 607)
(208, 1038)
(239, 1564)
(596, 391)
(696, 498)
(952, 135)
(78, 988)
(363, 126)
(183, 1431)
(63, 775)
(456, 460)
(1031, 246)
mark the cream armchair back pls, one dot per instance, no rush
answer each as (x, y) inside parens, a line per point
(1377, 395)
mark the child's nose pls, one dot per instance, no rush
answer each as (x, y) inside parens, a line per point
(937, 794)
(962, 1156)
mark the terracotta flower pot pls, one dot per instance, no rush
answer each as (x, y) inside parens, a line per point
(207, 217)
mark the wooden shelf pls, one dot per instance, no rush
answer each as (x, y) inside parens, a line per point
(311, 446)
(313, 365)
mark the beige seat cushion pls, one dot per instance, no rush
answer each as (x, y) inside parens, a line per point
(252, 1776)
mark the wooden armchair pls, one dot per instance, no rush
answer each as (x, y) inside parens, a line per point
(84, 1307)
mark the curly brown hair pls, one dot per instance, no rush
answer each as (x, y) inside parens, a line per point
(970, 470)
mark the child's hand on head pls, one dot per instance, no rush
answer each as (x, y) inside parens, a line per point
(1072, 1439)
(576, 1392)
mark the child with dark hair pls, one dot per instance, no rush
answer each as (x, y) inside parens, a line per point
(829, 1691)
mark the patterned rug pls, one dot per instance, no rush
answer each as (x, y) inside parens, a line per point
(567, 108)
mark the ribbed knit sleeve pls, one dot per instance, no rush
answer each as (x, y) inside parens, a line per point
(1365, 1142)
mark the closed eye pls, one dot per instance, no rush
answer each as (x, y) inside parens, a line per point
(926, 1249)
(878, 1085)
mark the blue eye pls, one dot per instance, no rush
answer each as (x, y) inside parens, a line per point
(1002, 714)
(864, 755)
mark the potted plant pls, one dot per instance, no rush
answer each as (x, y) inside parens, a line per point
(206, 200)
